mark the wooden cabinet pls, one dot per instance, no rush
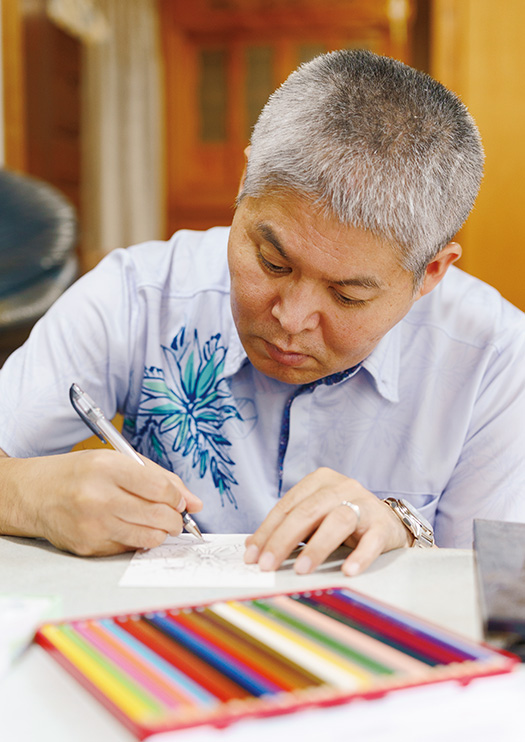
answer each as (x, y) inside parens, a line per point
(222, 61)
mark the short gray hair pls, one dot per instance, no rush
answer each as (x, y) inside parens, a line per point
(375, 143)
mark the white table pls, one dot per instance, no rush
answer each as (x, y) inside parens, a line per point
(39, 702)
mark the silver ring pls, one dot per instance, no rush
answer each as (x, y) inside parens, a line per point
(353, 507)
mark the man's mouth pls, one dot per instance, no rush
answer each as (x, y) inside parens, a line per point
(285, 357)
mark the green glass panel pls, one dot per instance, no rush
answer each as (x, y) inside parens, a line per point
(213, 95)
(306, 52)
(259, 82)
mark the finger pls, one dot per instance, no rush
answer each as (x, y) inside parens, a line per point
(158, 485)
(131, 536)
(256, 542)
(336, 527)
(298, 524)
(150, 482)
(103, 537)
(156, 515)
(193, 504)
(370, 546)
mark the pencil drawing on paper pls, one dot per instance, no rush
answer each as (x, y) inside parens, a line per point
(190, 556)
(180, 560)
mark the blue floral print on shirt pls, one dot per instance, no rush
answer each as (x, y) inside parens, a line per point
(188, 399)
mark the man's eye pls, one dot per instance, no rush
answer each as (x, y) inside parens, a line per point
(346, 301)
(271, 267)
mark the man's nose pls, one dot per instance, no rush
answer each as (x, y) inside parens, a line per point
(296, 308)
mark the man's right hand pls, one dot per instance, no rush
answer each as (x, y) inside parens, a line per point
(92, 503)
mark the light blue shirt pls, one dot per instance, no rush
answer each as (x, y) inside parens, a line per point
(435, 414)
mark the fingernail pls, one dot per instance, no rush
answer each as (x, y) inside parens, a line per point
(181, 506)
(351, 569)
(267, 561)
(251, 554)
(303, 565)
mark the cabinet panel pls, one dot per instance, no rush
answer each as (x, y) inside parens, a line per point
(222, 62)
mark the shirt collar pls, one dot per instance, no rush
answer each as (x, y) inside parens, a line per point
(382, 364)
(236, 355)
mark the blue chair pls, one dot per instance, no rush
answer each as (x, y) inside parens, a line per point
(38, 261)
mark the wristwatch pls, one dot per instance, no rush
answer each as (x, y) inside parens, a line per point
(412, 519)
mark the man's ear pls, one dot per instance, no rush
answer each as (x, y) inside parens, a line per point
(243, 176)
(438, 267)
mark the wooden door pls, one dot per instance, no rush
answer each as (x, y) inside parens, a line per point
(222, 61)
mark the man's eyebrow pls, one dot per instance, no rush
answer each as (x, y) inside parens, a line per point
(366, 282)
(269, 235)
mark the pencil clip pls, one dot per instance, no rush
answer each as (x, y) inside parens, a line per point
(83, 404)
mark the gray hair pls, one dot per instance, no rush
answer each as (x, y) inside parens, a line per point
(375, 143)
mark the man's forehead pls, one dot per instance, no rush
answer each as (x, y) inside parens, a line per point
(270, 234)
(269, 213)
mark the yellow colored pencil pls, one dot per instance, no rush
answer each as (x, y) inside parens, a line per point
(133, 702)
(323, 662)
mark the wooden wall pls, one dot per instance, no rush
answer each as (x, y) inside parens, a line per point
(222, 61)
(52, 94)
(477, 50)
(13, 71)
(42, 108)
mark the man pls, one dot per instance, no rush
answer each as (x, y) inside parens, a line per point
(331, 360)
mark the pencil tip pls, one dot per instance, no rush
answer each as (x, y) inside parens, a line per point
(194, 529)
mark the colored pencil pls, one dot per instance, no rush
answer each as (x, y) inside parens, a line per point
(165, 670)
(305, 623)
(318, 660)
(219, 686)
(469, 649)
(283, 666)
(245, 653)
(107, 678)
(419, 644)
(360, 642)
(227, 665)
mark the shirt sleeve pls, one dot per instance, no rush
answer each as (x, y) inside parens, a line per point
(86, 337)
(489, 479)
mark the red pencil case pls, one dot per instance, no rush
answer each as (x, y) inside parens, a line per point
(219, 662)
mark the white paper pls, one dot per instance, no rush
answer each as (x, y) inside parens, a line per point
(182, 561)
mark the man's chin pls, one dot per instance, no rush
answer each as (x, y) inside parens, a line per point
(297, 375)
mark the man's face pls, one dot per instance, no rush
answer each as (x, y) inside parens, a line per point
(310, 297)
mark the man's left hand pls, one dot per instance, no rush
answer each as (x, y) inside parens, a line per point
(319, 510)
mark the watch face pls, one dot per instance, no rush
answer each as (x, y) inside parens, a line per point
(416, 514)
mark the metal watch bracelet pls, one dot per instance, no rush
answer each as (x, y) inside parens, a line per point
(413, 521)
